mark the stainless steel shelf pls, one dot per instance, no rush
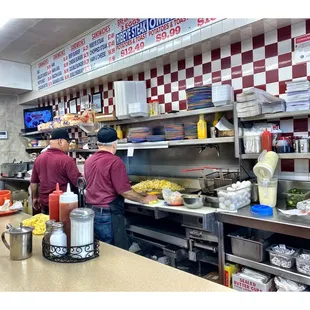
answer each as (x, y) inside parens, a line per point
(164, 144)
(85, 127)
(276, 115)
(36, 148)
(228, 107)
(14, 180)
(281, 156)
(268, 268)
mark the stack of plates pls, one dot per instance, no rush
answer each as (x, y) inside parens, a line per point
(155, 138)
(199, 97)
(174, 132)
(190, 130)
(138, 135)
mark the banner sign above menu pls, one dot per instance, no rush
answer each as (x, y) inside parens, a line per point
(112, 42)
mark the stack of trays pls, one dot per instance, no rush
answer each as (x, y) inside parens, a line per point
(138, 135)
(155, 138)
(190, 130)
(199, 97)
(174, 132)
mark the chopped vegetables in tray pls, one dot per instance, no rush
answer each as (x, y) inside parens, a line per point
(295, 195)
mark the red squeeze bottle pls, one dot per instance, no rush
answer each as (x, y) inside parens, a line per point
(267, 140)
(53, 204)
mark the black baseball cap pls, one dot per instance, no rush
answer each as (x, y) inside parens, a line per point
(106, 135)
(60, 133)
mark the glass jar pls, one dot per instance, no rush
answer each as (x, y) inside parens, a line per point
(58, 240)
(48, 231)
(82, 232)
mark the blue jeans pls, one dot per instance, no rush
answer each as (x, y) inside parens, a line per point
(102, 224)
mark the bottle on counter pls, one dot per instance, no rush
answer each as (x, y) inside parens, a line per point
(53, 203)
(267, 141)
(202, 127)
(68, 201)
(48, 231)
(58, 238)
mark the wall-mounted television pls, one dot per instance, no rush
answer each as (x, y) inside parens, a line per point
(35, 116)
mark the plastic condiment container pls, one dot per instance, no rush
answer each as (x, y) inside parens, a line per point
(53, 204)
(267, 191)
(266, 166)
(82, 232)
(58, 239)
(267, 140)
(202, 127)
(284, 145)
(68, 201)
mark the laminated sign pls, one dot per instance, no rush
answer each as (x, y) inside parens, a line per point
(302, 49)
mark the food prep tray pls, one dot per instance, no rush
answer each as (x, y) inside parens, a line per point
(250, 243)
(303, 264)
(286, 261)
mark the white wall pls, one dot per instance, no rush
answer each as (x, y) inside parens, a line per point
(15, 75)
(11, 119)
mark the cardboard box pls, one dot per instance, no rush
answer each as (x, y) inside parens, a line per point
(243, 284)
(229, 270)
(213, 276)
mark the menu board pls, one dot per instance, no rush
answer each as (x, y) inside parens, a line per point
(121, 38)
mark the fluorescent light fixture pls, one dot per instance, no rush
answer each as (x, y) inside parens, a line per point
(3, 21)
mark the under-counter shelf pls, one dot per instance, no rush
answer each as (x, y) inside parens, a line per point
(281, 156)
(291, 274)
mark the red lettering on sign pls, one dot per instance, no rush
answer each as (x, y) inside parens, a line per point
(43, 63)
(302, 39)
(77, 44)
(101, 32)
(59, 54)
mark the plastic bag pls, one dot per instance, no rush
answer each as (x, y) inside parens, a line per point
(285, 285)
(172, 198)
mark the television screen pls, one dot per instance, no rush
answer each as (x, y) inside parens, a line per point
(35, 116)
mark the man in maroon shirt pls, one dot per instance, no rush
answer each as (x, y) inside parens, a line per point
(51, 167)
(107, 186)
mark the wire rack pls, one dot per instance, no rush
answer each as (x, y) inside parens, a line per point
(73, 254)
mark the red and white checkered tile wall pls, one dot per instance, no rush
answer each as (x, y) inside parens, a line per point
(264, 61)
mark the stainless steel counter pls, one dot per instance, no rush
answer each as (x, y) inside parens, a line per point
(297, 226)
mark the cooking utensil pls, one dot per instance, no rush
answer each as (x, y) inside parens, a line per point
(193, 201)
(20, 241)
(81, 194)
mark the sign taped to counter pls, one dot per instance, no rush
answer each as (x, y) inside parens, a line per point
(130, 151)
(108, 43)
(302, 49)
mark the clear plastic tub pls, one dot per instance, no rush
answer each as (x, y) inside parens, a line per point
(267, 192)
(303, 262)
(286, 261)
(234, 199)
(294, 195)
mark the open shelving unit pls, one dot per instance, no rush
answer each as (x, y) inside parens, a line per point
(291, 274)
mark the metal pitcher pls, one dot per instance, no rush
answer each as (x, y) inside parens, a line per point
(20, 241)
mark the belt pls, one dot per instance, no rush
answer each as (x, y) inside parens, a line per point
(99, 210)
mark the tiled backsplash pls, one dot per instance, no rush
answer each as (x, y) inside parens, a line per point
(264, 61)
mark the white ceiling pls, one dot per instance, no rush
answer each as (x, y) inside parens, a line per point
(26, 40)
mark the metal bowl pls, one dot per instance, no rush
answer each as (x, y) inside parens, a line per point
(193, 201)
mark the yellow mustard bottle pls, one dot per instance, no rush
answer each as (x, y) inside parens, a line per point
(119, 132)
(217, 117)
(202, 127)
